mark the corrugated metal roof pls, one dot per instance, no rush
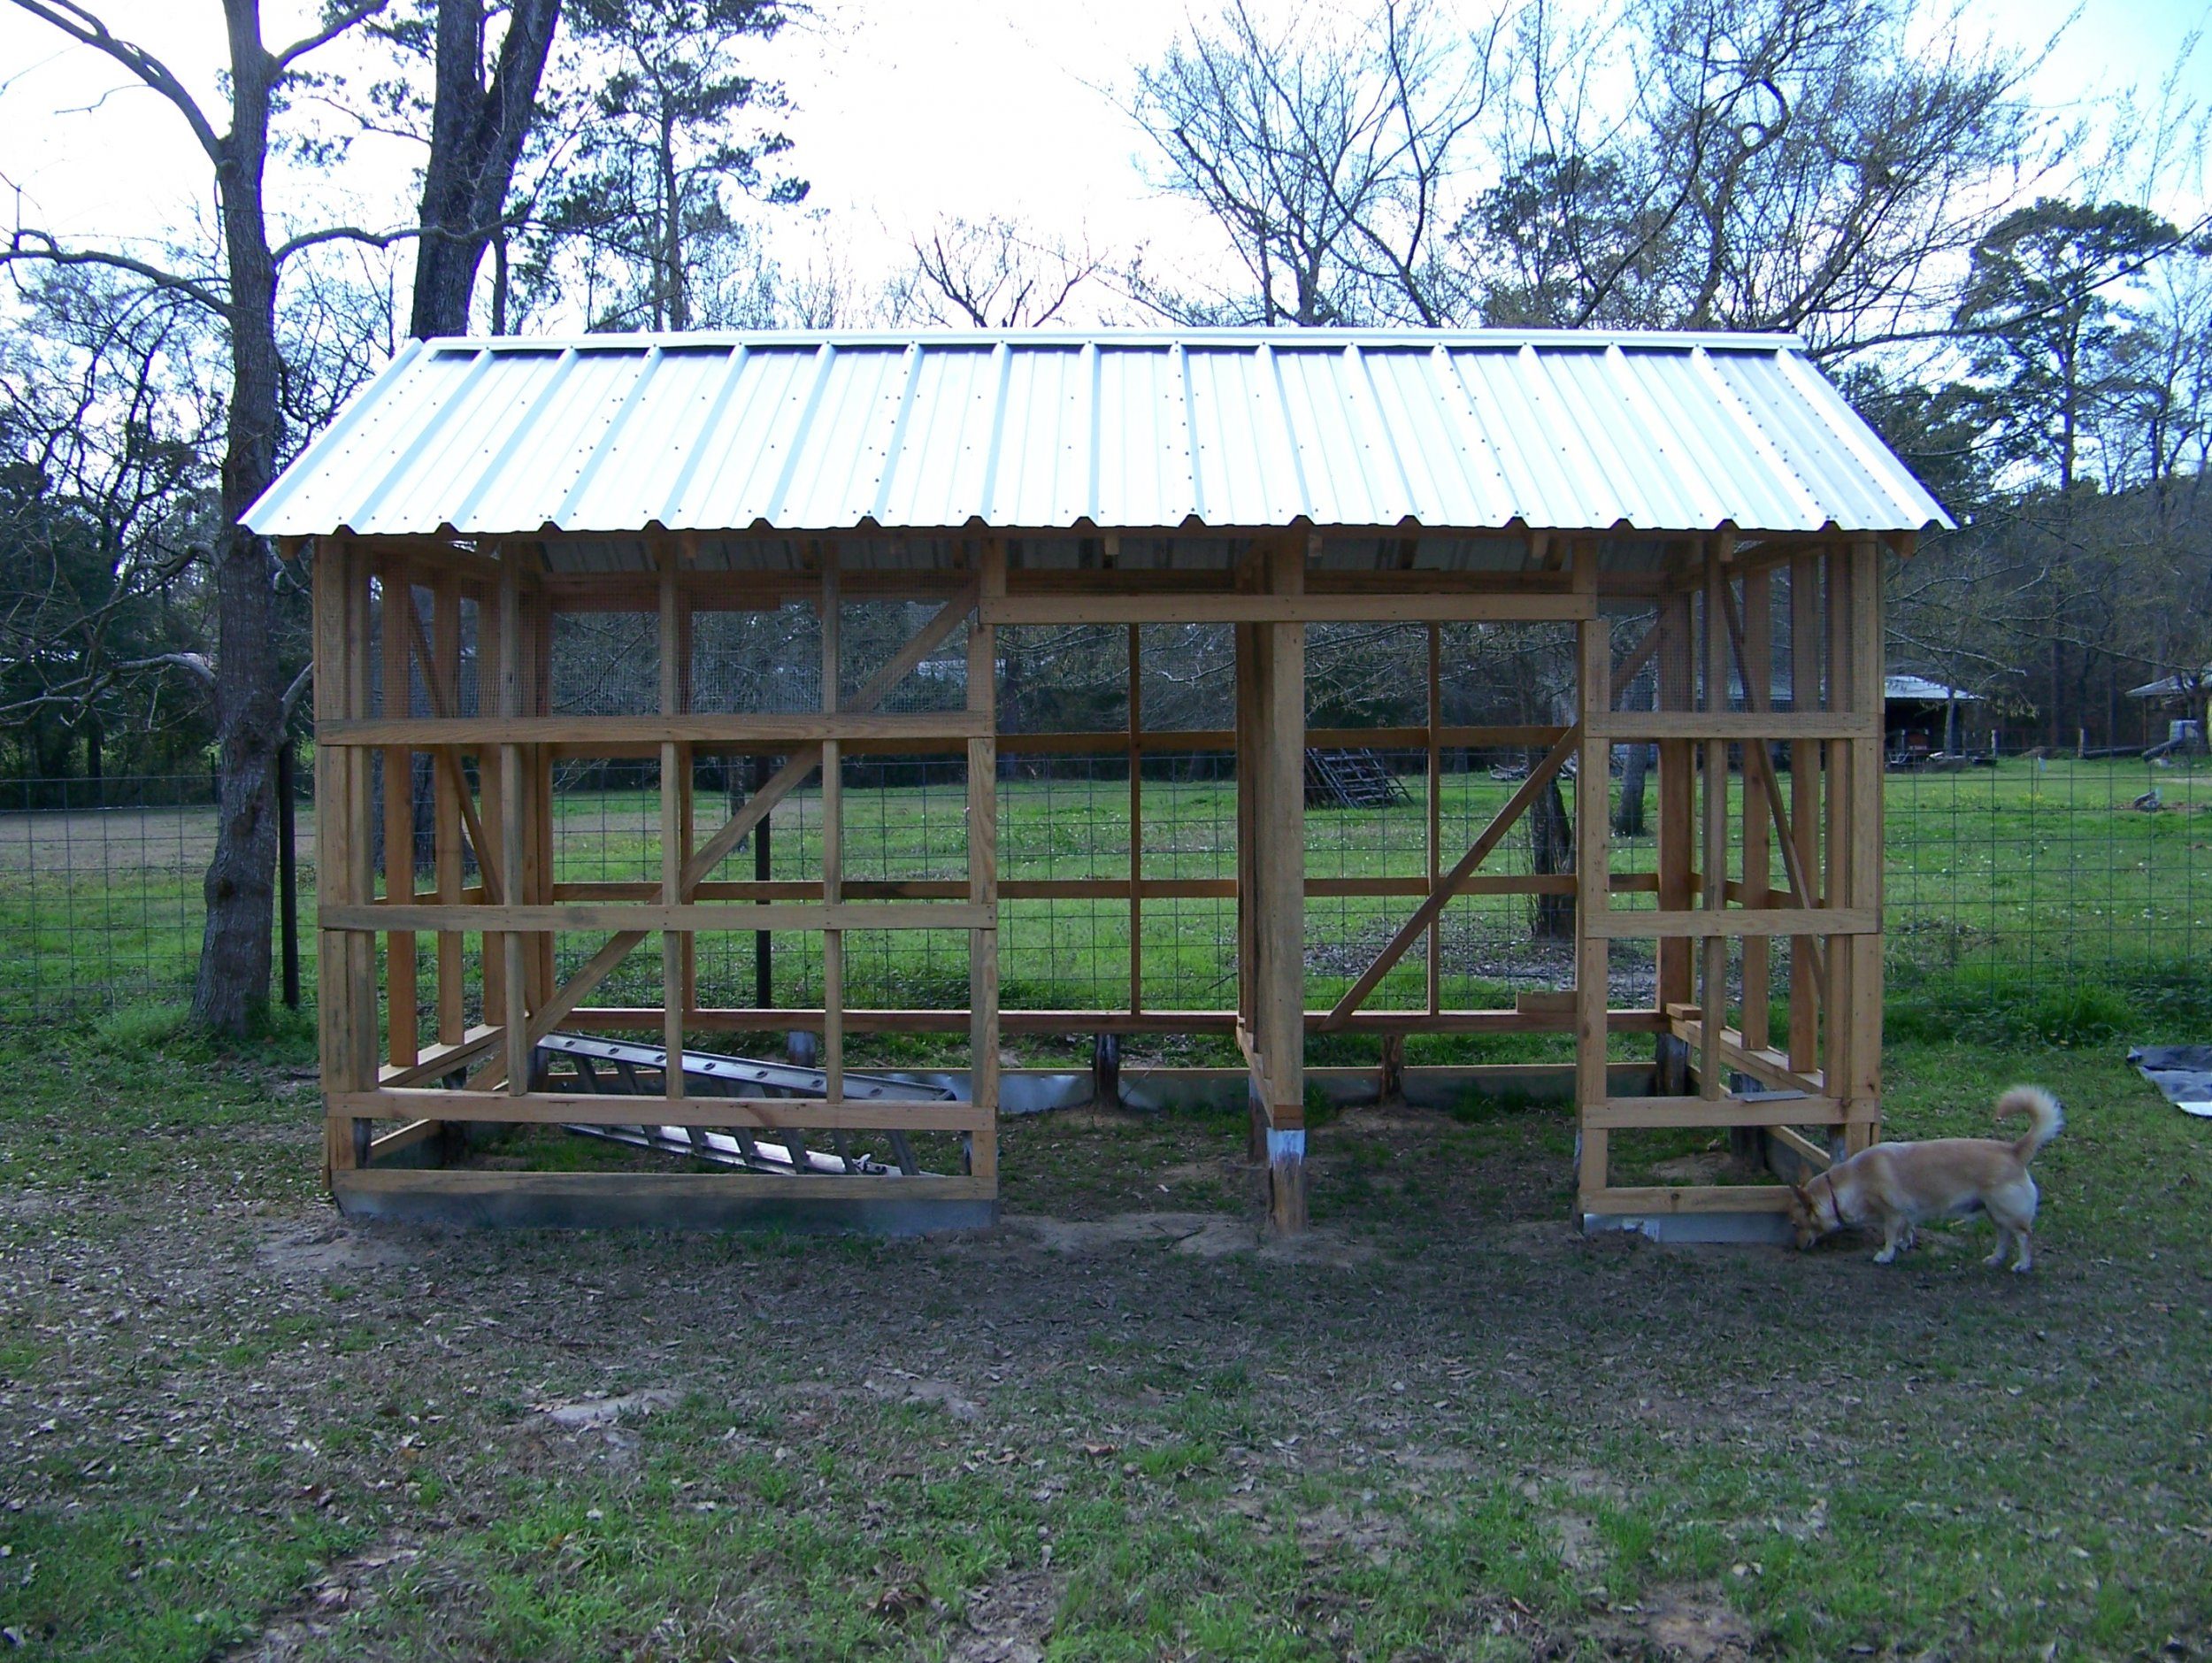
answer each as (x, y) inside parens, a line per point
(1039, 430)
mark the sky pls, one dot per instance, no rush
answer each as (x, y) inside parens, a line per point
(906, 110)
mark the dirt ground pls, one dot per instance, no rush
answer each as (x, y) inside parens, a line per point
(1124, 1424)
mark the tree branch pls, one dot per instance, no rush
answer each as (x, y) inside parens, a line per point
(85, 27)
(301, 682)
(39, 246)
(360, 11)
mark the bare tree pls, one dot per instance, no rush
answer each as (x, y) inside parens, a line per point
(1326, 154)
(991, 273)
(1816, 165)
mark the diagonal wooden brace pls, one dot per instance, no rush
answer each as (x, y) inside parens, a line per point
(1758, 760)
(1501, 823)
(443, 706)
(716, 849)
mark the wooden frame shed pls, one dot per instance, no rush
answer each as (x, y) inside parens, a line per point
(1716, 488)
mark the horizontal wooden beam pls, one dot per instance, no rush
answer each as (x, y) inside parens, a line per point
(1733, 726)
(673, 1186)
(1615, 1113)
(1167, 741)
(381, 915)
(1290, 609)
(728, 1020)
(474, 732)
(556, 1108)
(1787, 920)
(1720, 1197)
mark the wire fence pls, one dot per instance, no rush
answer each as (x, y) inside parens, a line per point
(2030, 878)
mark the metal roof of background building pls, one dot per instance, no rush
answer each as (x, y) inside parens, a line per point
(1040, 431)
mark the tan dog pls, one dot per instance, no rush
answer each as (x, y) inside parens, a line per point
(1897, 1186)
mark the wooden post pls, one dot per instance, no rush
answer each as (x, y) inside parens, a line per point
(491, 797)
(1758, 675)
(1593, 882)
(1715, 978)
(1436, 813)
(445, 673)
(340, 824)
(983, 1027)
(1247, 766)
(1674, 839)
(1843, 759)
(1278, 887)
(513, 832)
(1136, 824)
(675, 770)
(1862, 1071)
(833, 843)
(1804, 1039)
(537, 700)
(399, 817)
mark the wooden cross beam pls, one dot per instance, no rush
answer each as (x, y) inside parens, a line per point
(1426, 913)
(443, 703)
(1769, 785)
(779, 785)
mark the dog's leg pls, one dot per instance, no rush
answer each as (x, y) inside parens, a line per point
(1895, 1228)
(2004, 1241)
(2026, 1261)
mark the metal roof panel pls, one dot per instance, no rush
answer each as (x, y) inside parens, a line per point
(1045, 430)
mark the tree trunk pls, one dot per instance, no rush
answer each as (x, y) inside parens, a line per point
(1628, 818)
(1552, 851)
(476, 134)
(231, 988)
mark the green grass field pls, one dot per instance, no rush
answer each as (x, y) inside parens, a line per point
(1121, 1426)
(1124, 1426)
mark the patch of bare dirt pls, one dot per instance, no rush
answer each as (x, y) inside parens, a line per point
(329, 1250)
(1192, 1235)
(1688, 1626)
(1008, 1621)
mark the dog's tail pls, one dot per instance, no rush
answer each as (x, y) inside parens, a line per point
(2045, 1118)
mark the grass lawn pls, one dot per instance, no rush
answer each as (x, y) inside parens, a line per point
(1120, 1426)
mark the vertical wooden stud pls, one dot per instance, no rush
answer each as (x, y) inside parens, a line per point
(513, 832)
(1758, 675)
(833, 842)
(1714, 948)
(444, 673)
(1280, 889)
(1863, 1070)
(1804, 1035)
(1436, 814)
(983, 1032)
(675, 768)
(1136, 823)
(1842, 758)
(1674, 835)
(1592, 884)
(399, 816)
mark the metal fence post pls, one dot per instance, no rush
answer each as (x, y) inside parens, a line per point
(287, 875)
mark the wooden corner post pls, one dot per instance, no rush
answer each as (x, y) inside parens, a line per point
(1271, 859)
(983, 869)
(1592, 882)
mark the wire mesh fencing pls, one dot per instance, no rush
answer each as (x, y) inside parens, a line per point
(102, 904)
(2024, 878)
